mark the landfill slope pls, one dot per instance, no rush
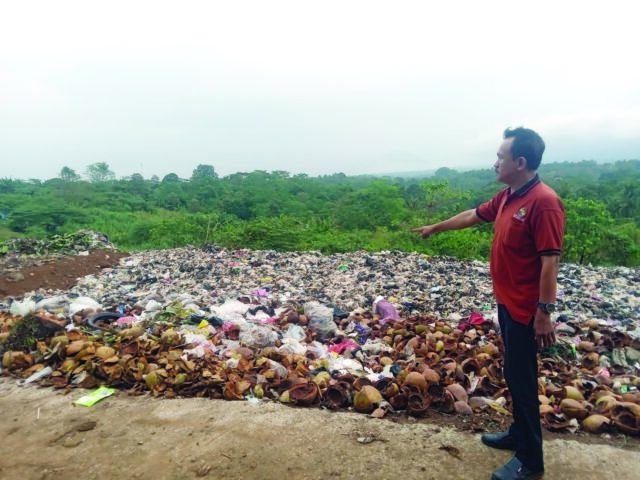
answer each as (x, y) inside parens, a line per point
(185, 438)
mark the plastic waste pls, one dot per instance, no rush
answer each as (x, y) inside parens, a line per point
(232, 311)
(82, 303)
(232, 362)
(153, 306)
(194, 338)
(340, 314)
(259, 336)
(386, 310)
(52, 303)
(295, 332)
(344, 345)
(42, 373)
(22, 308)
(318, 349)
(278, 369)
(320, 319)
(347, 365)
(474, 319)
(291, 346)
(94, 397)
(375, 347)
(126, 321)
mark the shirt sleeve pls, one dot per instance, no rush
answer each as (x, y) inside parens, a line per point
(548, 227)
(488, 211)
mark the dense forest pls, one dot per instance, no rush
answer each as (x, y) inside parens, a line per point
(331, 213)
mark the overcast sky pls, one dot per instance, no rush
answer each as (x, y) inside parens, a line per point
(318, 87)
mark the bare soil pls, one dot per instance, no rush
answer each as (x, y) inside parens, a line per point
(45, 436)
(20, 276)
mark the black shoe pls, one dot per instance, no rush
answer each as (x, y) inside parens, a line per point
(501, 441)
(514, 470)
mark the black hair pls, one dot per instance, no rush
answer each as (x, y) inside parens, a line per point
(527, 144)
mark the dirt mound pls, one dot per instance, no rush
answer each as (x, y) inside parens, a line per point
(20, 276)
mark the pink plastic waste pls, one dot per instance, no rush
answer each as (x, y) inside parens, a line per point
(386, 311)
(340, 347)
(474, 319)
(125, 321)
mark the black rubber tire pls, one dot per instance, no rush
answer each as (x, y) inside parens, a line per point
(104, 317)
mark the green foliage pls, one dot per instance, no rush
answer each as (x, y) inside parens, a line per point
(99, 172)
(204, 171)
(592, 236)
(68, 175)
(32, 217)
(331, 213)
(377, 205)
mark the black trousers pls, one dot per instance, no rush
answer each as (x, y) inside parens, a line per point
(521, 373)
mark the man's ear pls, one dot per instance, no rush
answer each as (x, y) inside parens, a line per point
(522, 163)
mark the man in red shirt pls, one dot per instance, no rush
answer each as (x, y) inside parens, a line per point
(525, 255)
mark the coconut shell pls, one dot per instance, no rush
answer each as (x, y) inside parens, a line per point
(63, 340)
(544, 409)
(633, 397)
(627, 423)
(573, 409)
(431, 376)
(105, 352)
(77, 346)
(335, 397)
(16, 360)
(417, 405)
(591, 360)
(153, 380)
(595, 424)
(366, 399)
(585, 346)
(415, 378)
(573, 393)
(605, 403)
(304, 393)
(458, 392)
(392, 390)
(632, 408)
(462, 408)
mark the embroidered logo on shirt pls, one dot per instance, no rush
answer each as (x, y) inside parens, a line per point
(520, 215)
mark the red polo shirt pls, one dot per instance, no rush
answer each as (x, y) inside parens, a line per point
(529, 223)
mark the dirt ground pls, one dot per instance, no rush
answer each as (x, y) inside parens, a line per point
(45, 436)
(145, 438)
(18, 277)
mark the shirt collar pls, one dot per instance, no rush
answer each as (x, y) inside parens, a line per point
(526, 187)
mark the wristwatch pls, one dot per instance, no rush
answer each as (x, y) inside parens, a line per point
(547, 307)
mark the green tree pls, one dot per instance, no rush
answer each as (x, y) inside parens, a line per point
(204, 171)
(68, 175)
(586, 230)
(171, 178)
(378, 205)
(99, 172)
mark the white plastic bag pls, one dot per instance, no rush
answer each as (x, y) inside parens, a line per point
(320, 319)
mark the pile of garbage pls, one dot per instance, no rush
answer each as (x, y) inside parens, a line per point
(379, 333)
(67, 244)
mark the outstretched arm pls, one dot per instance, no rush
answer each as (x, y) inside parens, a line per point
(465, 219)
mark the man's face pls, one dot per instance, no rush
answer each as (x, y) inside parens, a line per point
(506, 168)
